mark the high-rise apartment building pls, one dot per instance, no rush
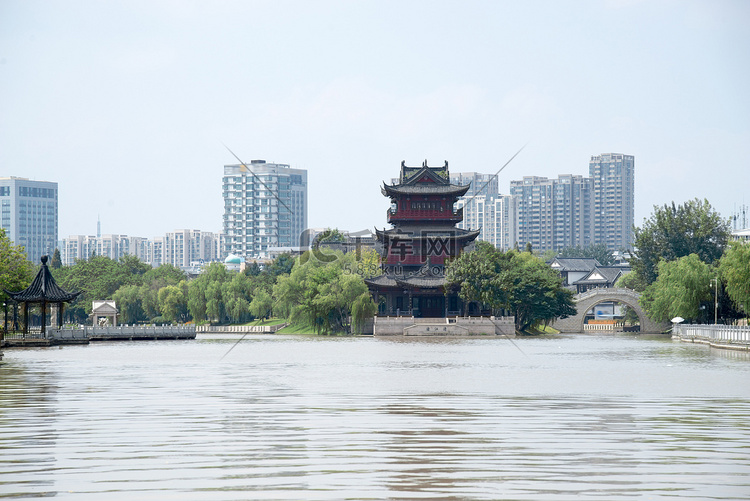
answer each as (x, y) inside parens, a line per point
(185, 247)
(553, 214)
(493, 215)
(613, 176)
(28, 214)
(481, 184)
(265, 206)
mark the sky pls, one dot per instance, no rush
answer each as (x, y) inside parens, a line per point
(129, 106)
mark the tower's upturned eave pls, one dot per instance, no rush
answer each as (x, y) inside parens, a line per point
(444, 190)
(465, 236)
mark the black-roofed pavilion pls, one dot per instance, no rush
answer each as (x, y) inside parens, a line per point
(43, 291)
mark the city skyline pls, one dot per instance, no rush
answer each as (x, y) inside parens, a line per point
(126, 104)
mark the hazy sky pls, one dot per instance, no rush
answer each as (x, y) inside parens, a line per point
(126, 104)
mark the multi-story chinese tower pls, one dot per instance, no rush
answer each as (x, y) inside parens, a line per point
(423, 239)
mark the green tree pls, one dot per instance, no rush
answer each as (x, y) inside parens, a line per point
(166, 274)
(366, 263)
(319, 294)
(681, 288)
(98, 278)
(253, 269)
(237, 294)
(56, 261)
(153, 280)
(16, 272)
(631, 281)
(734, 268)
(331, 235)
(129, 303)
(516, 281)
(327, 298)
(548, 255)
(133, 268)
(101, 277)
(477, 274)
(205, 294)
(363, 309)
(535, 292)
(595, 251)
(677, 231)
(261, 305)
(173, 302)
(197, 300)
(287, 292)
(283, 264)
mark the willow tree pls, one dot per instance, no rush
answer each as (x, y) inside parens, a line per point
(681, 288)
(321, 293)
(735, 273)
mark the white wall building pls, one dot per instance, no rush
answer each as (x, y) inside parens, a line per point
(493, 215)
(485, 209)
(265, 206)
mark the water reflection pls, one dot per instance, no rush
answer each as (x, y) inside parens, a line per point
(362, 418)
(28, 398)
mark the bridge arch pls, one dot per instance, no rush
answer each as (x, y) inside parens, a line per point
(589, 299)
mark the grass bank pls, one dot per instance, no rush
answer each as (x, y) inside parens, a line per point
(269, 321)
(538, 331)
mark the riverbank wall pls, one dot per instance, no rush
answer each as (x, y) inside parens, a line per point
(728, 337)
(450, 326)
(239, 329)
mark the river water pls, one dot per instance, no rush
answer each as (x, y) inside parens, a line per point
(305, 417)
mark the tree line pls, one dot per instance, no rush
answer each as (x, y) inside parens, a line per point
(684, 261)
(683, 258)
(323, 290)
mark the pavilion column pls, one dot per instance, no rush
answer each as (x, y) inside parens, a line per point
(44, 318)
(25, 319)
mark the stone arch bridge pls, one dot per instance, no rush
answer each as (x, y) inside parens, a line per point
(587, 300)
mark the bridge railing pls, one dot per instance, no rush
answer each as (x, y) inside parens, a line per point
(240, 329)
(619, 327)
(609, 291)
(731, 334)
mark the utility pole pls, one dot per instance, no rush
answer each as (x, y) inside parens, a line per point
(716, 299)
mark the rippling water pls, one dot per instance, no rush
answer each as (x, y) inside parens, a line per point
(296, 417)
